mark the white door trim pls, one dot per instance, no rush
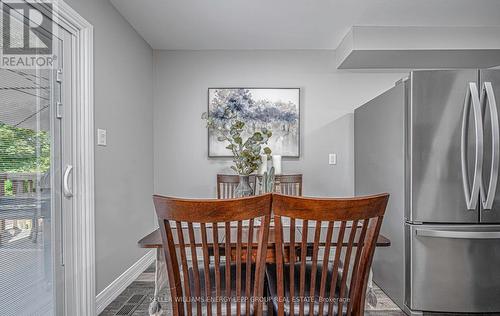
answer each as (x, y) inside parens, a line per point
(81, 297)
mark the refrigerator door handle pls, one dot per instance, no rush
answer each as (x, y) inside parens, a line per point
(472, 194)
(457, 234)
(488, 96)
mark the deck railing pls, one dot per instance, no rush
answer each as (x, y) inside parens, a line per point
(19, 202)
(22, 183)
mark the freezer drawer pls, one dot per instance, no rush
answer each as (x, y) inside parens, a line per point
(453, 268)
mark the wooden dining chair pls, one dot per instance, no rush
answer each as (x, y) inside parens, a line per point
(289, 184)
(345, 229)
(227, 183)
(202, 276)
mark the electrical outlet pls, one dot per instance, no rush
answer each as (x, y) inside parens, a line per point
(101, 137)
(332, 159)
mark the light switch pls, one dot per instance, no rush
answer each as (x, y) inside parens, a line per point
(101, 137)
(332, 159)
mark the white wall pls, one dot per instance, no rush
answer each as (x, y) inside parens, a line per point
(124, 169)
(328, 97)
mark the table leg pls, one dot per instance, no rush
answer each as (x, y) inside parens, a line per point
(160, 281)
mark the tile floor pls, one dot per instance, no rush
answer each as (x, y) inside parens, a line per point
(144, 285)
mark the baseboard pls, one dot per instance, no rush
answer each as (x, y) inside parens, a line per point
(106, 296)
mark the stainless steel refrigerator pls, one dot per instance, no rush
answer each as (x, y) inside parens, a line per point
(433, 142)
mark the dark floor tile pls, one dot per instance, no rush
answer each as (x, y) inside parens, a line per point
(385, 307)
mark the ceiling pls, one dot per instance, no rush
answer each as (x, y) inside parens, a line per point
(288, 24)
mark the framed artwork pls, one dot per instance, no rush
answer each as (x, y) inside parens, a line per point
(277, 109)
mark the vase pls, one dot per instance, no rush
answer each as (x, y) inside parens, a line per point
(243, 188)
(263, 165)
(277, 164)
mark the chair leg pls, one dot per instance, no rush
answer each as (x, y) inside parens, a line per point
(268, 298)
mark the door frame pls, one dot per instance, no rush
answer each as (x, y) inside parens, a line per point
(81, 296)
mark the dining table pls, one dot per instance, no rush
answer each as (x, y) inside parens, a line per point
(153, 240)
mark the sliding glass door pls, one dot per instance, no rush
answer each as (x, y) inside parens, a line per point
(35, 170)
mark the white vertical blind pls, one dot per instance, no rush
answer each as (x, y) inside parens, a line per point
(26, 269)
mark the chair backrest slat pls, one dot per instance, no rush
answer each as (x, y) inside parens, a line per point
(248, 272)
(227, 254)
(303, 258)
(185, 269)
(317, 233)
(292, 253)
(202, 274)
(260, 261)
(356, 219)
(290, 184)
(279, 263)
(172, 271)
(206, 265)
(326, 259)
(218, 291)
(196, 272)
(366, 256)
(238, 265)
(336, 263)
(345, 266)
(354, 275)
(227, 183)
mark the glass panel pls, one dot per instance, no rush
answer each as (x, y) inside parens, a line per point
(25, 204)
(26, 161)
